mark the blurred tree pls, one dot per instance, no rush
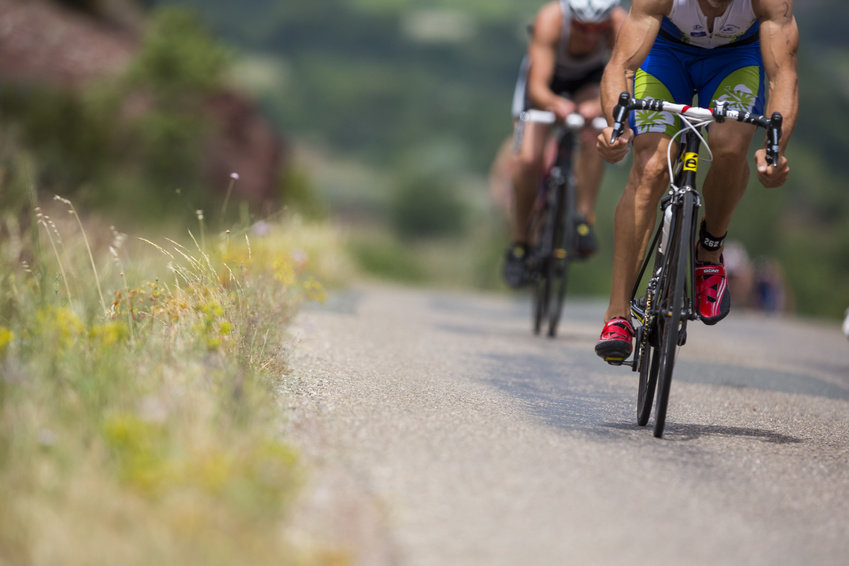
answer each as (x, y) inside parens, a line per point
(426, 205)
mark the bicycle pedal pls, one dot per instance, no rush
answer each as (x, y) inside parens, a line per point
(617, 362)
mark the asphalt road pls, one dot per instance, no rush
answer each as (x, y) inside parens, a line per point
(444, 433)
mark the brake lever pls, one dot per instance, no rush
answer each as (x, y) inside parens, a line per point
(773, 134)
(619, 113)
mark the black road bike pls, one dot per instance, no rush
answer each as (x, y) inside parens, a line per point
(667, 302)
(554, 223)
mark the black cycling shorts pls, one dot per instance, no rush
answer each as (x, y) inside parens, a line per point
(563, 87)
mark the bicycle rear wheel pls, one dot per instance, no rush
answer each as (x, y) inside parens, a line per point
(561, 254)
(672, 305)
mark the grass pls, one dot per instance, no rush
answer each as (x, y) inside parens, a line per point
(139, 398)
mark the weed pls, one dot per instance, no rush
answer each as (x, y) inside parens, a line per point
(142, 428)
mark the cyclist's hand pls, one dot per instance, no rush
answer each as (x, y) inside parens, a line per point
(590, 109)
(771, 176)
(562, 107)
(618, 150)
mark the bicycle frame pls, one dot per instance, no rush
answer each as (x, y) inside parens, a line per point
(683, 199)
(685, 170)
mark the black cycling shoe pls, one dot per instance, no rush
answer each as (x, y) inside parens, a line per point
(586, 243)
(515, 270)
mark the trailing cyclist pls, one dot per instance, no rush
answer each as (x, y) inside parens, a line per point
(671, 50)
(570, 44)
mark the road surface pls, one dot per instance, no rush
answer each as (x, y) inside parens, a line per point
(444, 433)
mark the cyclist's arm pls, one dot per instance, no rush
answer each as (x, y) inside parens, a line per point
(542, 53)
(779, 42)
(617, 18)
(635, 40)
(633, 44)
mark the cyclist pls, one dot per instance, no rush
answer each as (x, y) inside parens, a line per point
(570, 44)
(673, 49)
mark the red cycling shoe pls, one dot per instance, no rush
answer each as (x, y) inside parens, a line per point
(712, 297)
(615, 341)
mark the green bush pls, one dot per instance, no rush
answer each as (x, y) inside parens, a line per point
(298, 193)
(387, 259)
(426, 206)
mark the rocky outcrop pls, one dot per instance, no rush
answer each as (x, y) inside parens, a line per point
(246, 145)
(44, 42)
(47, 43)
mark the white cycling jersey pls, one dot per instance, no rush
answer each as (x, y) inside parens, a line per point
(686, 15)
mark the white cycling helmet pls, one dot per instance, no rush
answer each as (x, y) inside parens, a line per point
(592, 11)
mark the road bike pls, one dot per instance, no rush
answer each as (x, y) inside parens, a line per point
(666, 303)
(555, 223)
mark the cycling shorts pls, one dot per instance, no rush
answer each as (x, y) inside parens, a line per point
(676, 72)
(561, 86)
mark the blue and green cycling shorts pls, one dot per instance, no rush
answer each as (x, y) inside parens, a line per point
(677, 72)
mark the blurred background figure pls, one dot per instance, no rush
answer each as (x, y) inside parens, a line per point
(846, 324)
(771, 293)
(741, 274)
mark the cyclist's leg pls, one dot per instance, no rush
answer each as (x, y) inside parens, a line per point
(527, 165)
(735, 76)
(662, 76)
(527, 174)
(726, 179)
(589, 165)
(635, 218)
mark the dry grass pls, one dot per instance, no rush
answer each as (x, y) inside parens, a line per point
(139, 422)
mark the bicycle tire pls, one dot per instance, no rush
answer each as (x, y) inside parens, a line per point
(542, 253)
(671, 297)
(536, 310)
(561, 255)
(538, 305)
(649, 365)
(647, 349)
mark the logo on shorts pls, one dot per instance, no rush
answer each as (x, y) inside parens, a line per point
(651, 121)
(739, 97)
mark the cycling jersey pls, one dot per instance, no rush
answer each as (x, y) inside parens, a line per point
(687, 23)
(723, 65)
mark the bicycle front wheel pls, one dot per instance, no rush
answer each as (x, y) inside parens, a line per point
(561, 255)
(672, 306)
(540, 302)
(649, 365)
(542, 283)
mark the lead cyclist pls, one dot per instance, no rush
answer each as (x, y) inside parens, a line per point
(737, 51)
